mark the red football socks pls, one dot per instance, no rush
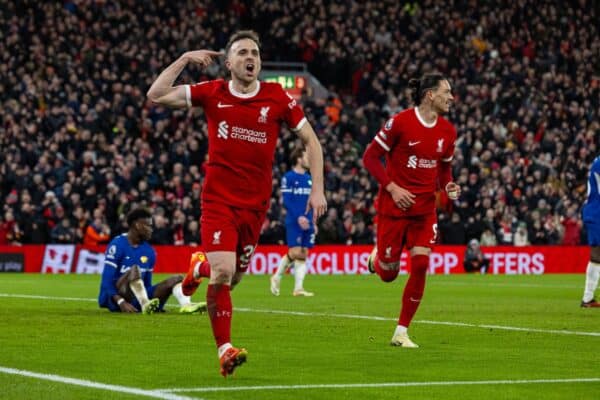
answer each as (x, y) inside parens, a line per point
(413, 291)
(204, 270)
(218, 302)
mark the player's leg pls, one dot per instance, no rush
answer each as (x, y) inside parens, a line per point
(172, 286)
(131, 286)
(220, 239)
(592, 274)
(199, 268)
(293, 235)
(300, 255)
(308, 241)
(385, 257)
(286, 262)
(421, 235)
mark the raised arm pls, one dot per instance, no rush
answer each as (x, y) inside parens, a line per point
(316, 200)
(162, 90)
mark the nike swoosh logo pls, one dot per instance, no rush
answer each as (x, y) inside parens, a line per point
(415, 300)
(414, 143)
(220, 105)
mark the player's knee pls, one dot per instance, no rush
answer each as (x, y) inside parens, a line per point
(221, 275)
(297, 253)
(595, 254)
(134, 273)
(388, 272)
(301, 255)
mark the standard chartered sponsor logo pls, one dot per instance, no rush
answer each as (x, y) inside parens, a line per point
(239, 133)
(415, 162)
(223, 130)
(412, 162)
(248, 135)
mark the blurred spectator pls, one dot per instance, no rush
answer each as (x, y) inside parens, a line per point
(64, 233)
(162, 233)
(452, 231)
(361, 234)
(572, 228)
(475, 260)
(521, 236)
(488, 238)
(96, 233)
(331, 230)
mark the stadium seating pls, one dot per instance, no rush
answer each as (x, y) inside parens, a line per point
(81, 142)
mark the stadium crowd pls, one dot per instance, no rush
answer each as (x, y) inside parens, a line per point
(81, 144)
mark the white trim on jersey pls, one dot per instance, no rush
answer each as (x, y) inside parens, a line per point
(243, 95)
(383, 135)
(188, 95)
(422, 121)
(447, 159)
(300, 125)
(597, 176)
(382, 143)
(112, 264)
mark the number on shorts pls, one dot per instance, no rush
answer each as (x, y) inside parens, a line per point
(435, 233)
(246, 255)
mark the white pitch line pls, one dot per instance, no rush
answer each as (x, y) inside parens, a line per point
(447, 323)
(354, 316)
(508, 285)
(95, 385)
(36, 297)
(378, 385)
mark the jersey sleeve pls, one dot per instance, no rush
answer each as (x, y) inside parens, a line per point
(293, 114)
(112, 263)
(388, 135)
(196, 94)
(449, 153)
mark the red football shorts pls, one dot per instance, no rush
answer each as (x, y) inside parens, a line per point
(226, 228)
(393, 233)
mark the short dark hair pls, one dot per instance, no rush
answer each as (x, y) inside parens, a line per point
(427, 82)
(296, 154)
(239, 35)
(138, 213)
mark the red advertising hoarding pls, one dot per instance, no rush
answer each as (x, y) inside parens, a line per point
(323, 260)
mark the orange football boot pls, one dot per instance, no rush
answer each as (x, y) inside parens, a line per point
(232, 359)
(190, 283)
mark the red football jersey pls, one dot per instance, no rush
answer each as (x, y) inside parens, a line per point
(242, 135)
(414, 151)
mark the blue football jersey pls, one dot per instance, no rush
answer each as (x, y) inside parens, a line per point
(120, 256)
(296, 188)
(591, 209)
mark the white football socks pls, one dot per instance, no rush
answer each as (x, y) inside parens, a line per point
(591, 280)
(139, 291)
(283, 265)
(223, 348)
(400, 330)
(181, 298)
(299, 274)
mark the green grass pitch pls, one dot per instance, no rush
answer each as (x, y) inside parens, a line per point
(481, 337)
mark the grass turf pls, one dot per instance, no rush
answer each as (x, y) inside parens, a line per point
(312, 341)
